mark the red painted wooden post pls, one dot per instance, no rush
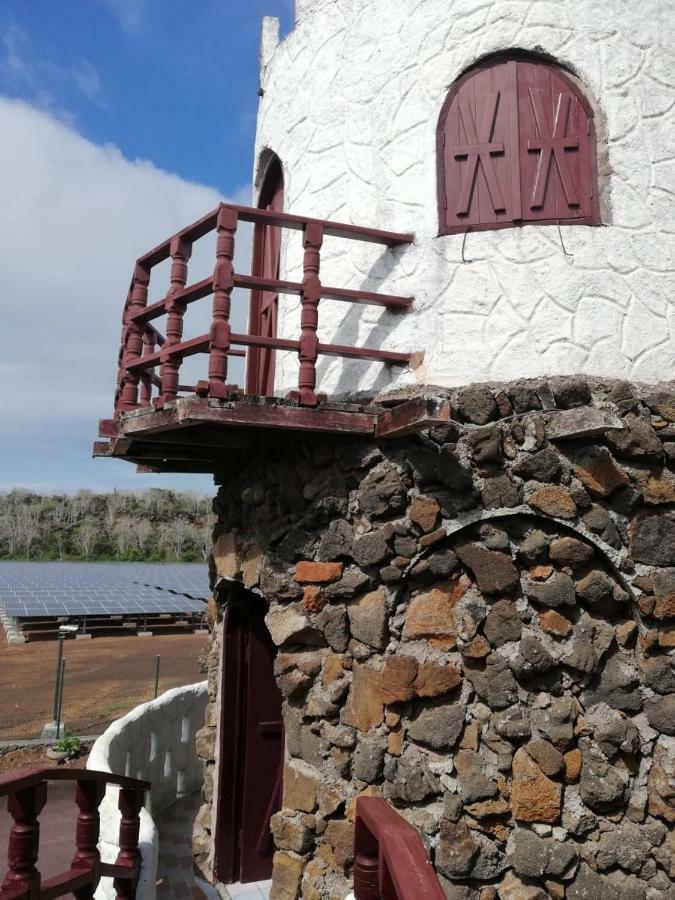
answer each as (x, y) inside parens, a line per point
(134, 337)
(146, 382)
(181, 250)
(88, 797)
(130, 804)
(223, 282)
(24, 807)
(366, 861)
(122, 352)
(366, 869)
(309, 317)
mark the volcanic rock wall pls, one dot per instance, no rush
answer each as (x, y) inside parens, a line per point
(476, 623)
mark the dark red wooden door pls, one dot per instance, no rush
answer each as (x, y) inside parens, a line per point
(265, 304)
(251, 744)
(263, 759)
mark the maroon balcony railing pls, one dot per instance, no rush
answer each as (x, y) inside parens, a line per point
(391, 862)
(144, 349)
(26, 792)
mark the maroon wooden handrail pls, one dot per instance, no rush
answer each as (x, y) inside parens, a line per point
(390, 860)
(26, 792)
(143, 348)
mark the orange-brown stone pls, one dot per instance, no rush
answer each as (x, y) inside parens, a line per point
(333, 668)
(286, 875)
(599, 473)
(554, 623)
(477, 648)
(317, 572)
(661, 786)
(339, 836)
(471, 738)
(431, 615)
(553, 500)
(664, 607)
(625, 632)
(397, 679)
(660, 488)
(540, 573)
(371, 791)
(395, 742)
(433, 680)
(365, 706)
(666, 636)
(534, 797)
(646, 604)
(483, 809)
(313, 599)
(300, 787)
(424, 512)
(572, 765)
(428, 540)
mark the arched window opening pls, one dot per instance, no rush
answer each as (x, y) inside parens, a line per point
(516, 145)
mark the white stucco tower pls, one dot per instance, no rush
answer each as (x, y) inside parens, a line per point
(350, 103)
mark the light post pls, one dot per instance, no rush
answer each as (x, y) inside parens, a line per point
(64, 631)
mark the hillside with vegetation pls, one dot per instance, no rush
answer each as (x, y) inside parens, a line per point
(154, 526)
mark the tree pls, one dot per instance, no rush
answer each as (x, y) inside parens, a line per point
(27, 528)
(124, 534)
(142, 530)
(202, 536)
(86, 537)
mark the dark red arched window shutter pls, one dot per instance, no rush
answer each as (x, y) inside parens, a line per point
(515, 144)
(479, 149)
(557, 174)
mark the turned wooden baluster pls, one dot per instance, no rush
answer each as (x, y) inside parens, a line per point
(223, 282)
(24, 807)
(366, 871)
(180, 250)
(122, 351)
(130, 804)
(146, 381)
(309, 317)
(134, 337)
(88, 797)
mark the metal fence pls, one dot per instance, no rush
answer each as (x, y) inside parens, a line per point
(97, 685)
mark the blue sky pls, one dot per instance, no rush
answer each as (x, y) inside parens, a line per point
(121, 121)
(173, 81)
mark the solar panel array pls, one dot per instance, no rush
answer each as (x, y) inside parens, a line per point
(30, 589)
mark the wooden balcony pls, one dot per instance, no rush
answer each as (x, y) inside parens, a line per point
(163, 424)
(26, 793)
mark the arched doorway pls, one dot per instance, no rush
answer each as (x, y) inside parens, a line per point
(251, 743)
(265, 264)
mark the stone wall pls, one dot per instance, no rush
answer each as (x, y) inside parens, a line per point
(475, 622)
(351, 99)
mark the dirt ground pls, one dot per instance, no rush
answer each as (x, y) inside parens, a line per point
(36, 757)
(104, 679)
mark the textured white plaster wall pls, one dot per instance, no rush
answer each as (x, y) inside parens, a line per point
(154, 742)
(351, 101)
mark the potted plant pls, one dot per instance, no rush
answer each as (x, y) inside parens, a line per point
(65, 748)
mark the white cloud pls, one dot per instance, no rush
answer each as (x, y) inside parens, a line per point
(73, 218)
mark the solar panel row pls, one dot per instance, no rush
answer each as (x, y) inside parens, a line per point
(62, 589)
